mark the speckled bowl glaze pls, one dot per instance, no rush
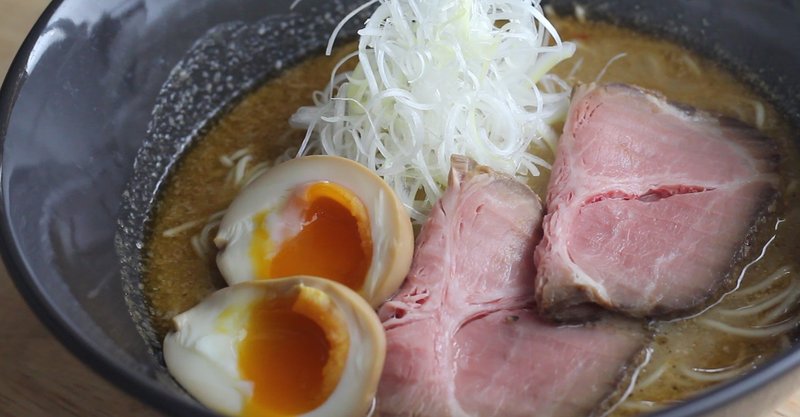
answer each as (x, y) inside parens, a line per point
(104, 97)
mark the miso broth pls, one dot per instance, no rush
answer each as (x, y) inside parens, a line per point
(686, 355)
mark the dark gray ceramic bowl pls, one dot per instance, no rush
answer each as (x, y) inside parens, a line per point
(77, 109)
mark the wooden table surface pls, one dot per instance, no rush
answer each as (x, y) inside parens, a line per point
(38, 376)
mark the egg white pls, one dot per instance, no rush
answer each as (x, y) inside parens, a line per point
(203, 359)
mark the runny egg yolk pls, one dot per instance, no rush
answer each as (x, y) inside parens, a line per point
(334, 241)
(294, 353)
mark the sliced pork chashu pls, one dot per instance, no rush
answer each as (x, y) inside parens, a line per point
(649, 205)
(463, 337)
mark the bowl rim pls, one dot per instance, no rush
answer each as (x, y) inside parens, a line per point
(130, 382)
(142, 389)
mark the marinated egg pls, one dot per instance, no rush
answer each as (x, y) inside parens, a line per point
(323, 216)
(299, 346)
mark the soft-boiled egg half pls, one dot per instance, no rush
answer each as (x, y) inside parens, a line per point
(323, 216)
(299, 346)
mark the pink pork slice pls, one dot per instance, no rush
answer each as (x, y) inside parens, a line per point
(463, 338)
(649, 205)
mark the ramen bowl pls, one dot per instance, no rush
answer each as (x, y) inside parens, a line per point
(95, 86)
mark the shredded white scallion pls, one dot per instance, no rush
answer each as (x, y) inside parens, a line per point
(760, 113)
(713, 375)
(580, 13)
(442, 77)
(771, 330)
(608, 64)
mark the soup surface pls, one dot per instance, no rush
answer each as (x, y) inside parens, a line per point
(747, 326)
